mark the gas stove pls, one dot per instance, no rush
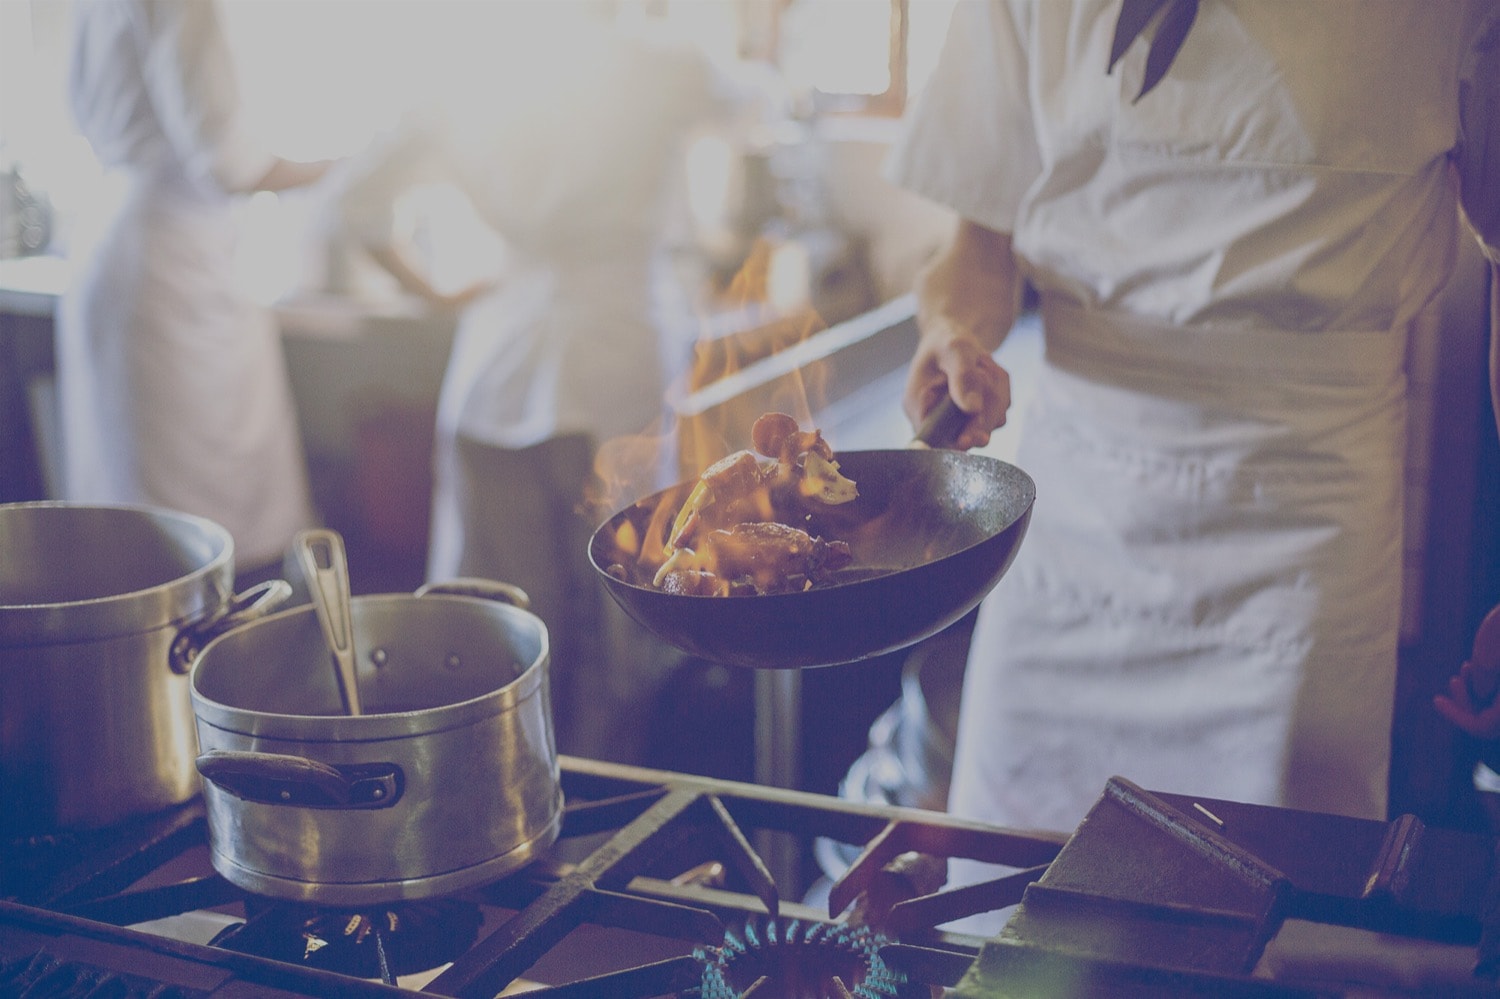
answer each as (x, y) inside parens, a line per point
(657, 887)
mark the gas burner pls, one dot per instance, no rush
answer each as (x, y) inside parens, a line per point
(794, 959)
(382, 942)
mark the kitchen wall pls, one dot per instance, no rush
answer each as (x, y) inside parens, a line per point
(902, 230)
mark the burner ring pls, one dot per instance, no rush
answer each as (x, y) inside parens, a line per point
(382, 942)
(794, 959)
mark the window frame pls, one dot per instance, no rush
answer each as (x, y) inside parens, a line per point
(761, 36)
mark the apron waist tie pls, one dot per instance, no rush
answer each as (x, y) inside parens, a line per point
(1082, 340)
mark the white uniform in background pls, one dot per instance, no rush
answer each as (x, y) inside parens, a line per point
(172, 386)
(574, 160)
(1208, 598)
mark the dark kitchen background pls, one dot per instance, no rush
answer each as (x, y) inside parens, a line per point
(793, 189)
(793, 233)
(803, 258)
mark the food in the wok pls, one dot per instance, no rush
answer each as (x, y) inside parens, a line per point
(757, 557)
(741, 530)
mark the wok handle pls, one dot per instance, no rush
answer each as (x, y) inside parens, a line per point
(256, 602)
(281, 779)
(941, 425)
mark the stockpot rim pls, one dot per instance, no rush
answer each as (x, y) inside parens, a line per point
(172, 603)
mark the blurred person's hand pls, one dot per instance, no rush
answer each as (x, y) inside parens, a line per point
(1470, 702)
(415, 282)
(285, 174)
(457, 301)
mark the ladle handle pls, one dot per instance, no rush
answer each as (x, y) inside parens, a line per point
(326, 567)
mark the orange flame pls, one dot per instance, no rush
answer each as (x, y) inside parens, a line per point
(731, 381)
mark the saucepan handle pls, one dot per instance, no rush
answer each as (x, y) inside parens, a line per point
(256, 602)
(282, 779)
(475, 586)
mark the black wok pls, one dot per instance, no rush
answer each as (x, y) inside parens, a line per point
(932, 532)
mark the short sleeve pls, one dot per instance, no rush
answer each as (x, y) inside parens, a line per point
(1478, 159)
(190, 75)
(969, 142)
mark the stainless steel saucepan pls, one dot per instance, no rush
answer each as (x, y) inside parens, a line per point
(447, 778)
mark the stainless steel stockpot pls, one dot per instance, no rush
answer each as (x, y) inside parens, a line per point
(102, 610)
(449, 778)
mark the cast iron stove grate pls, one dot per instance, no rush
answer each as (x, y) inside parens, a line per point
(635, 842)
(631, 843)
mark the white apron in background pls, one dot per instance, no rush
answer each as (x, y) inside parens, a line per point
(172, 387)
(586, 341)
(588, 324)
(1228, 646)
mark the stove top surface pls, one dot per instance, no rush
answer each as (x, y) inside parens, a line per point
(662, 884)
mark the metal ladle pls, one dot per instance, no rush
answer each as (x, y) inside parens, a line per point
(326, 567)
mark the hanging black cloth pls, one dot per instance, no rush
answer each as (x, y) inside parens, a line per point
(1135, 16)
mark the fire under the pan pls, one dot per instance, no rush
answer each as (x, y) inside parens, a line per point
(382, 942)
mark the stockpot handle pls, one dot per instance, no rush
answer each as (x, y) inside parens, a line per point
(282, 779)
(256, 602)
(475, 586)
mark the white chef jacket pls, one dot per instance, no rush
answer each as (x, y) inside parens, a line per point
(573, 161)
(1207, 600)
(172, 386)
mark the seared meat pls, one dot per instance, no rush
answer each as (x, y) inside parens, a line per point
(761, 557)
(730, 491)
(735, 532)
(742, 488)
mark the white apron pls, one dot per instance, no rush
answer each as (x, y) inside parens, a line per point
(1239, 638)
(172, 387)
(573, 344)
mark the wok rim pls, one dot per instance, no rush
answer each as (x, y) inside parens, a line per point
(910, 604)
(1021, 476)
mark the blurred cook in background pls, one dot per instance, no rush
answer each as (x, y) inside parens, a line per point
(172, 386)
(570, 147)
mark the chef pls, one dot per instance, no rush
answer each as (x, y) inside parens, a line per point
(172, 385)
(1227, 264)
(572, 160)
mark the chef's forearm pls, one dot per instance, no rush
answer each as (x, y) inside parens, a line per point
(972, 288)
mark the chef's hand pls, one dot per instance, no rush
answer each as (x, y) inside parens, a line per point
(967, 300)
(1470, 702)
(1462, 706)
(960, 367)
